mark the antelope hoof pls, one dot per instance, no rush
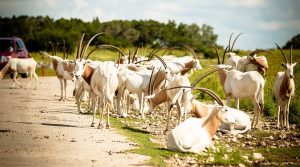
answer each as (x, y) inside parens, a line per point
(107, 126)
(93, 124)
(99, 126)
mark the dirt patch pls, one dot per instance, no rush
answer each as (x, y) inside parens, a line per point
(38, 130)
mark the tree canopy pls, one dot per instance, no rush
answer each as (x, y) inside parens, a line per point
(295, 41)
(38, 31)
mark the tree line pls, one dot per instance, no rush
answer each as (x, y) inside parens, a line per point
(38, 31)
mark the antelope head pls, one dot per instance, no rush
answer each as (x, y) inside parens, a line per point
(80, 55)
(196, 62)
(289, 66)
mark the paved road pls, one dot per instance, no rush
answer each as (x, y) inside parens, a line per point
(38, 130)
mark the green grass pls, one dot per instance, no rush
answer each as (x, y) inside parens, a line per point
(145, 146)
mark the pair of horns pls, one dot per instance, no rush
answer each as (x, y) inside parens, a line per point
(81, 50)
(217, 52)
(230, 49)
(134, 54)
(284, 56)
(151, 88)
(54, 48)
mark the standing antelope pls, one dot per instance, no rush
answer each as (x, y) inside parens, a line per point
(238, 85)
(17, 65)
(284, 89)
(63, 69)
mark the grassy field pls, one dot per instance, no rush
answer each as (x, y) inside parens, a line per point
(152, 144)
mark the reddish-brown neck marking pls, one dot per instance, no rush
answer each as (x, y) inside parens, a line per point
(285, 87)
(87, 73)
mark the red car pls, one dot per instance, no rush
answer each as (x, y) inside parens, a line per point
(14, 47)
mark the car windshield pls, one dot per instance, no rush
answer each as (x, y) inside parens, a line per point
(20, 44)
(6, 45)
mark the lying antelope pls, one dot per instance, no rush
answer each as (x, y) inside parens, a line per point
(238, 85)
(17, 65)
(237, 122)
(284, 89)
(196, 134)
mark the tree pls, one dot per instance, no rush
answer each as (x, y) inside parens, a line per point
(295, 41)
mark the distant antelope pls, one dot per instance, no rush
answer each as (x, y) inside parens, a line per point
(284, 89)
(247, 63)
(17, 65)
(63, 69)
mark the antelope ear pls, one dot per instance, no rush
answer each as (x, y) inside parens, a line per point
(294, 64)
(283, 65)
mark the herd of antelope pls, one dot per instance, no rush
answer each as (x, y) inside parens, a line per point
(146, 83)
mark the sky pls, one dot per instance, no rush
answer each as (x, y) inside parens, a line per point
(262, 22)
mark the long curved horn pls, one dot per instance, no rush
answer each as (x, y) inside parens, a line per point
(218, 56)
(234, 41)
(89, 42)
(225, 51)
(129, 54)
(149, 86)
(191, 50)
(55, 49)
(258, 51)
(162, 61)
(212, 94)
(134, 54)
(291, 55)
(112, 46)
(230, 40)
(52, 47)
(284, 56)
(79, 47)
(154, 81)
(92, 51)
(203, 76)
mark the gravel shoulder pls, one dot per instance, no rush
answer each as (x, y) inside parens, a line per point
(38, 130)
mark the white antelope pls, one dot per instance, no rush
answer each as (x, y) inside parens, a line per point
(64, 71)
(180, 65)
(247, 63)
(196, 134)
(239, 85)
(17, 65)
(284, 89)
(138, 83)
(102, 79)
(237, 122)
